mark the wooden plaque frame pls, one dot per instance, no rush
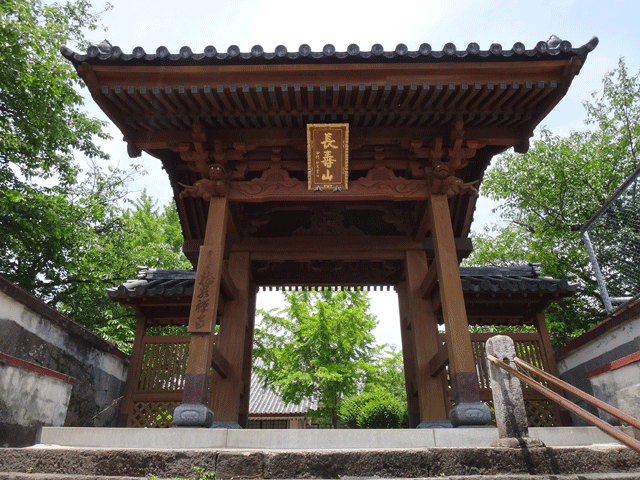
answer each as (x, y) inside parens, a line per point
(328, 156)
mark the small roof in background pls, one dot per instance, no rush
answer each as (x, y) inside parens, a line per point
(264, 401)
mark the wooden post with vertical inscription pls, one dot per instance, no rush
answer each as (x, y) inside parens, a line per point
(462, 369)
(202, 320)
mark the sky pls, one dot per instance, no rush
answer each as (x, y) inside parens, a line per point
(245, 23)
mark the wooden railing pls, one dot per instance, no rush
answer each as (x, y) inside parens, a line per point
(569, 405)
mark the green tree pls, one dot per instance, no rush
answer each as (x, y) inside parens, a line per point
(63, 235)
(319, 346)
(41, 124)
(382, 403)
(388, 375)
(143, 234)
(547, 194)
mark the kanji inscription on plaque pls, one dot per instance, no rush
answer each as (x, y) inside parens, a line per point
(328, 156)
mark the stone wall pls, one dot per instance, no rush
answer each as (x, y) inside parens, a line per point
(34, 332)
(585, 361)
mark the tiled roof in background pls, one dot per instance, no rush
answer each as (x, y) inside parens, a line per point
(263, 401)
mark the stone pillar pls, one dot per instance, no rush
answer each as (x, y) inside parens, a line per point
(508, 403)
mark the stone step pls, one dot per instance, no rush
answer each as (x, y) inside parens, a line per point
(595, 476)
(549, 462)
(599, 476)
(292, 439)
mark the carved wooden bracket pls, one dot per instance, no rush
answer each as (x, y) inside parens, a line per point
(217, 185)
(200, 152)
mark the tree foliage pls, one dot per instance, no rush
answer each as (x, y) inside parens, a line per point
(63, 234)
(382, 403)
(143, 234)
(41, 123)
(547, 194)
(319, 346)
(373, 408)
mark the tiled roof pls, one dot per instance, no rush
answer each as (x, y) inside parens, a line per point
(168, 283)
(152, 282)
(263, 401)
(105, 53)
(510, 279)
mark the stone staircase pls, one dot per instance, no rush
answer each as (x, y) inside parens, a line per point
(594, 462)
(571, 453)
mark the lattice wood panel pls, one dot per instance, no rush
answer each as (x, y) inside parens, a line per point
(163, 365)
(541, 413)
(152, 414)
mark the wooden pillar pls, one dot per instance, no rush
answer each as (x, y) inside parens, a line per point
(408, 356)
(562, 416)
(243, 417)
(431, 396)
(462, 368)
(133, 373)
(204, 306)
(226, 392)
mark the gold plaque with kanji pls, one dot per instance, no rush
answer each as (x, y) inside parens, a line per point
(328, 156)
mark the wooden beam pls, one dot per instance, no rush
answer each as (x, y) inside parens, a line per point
(219, 363)
(429, 283)
(204, 305)
(210, 266)
(439, 361)
(424, 328)
(228, 287)
(133, 373)
(158, 396)
(315, 248)
(423, 226)
(461, 360)
(232, 228)
(293, 190)
(408, 356)
(245, 394)
(330, 74)
(226, 391)
(291, 137)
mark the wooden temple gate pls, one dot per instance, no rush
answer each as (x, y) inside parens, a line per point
(259, 208)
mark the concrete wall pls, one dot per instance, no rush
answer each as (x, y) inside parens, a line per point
(30, 397)
(618, 384)
(612, 340)
(34, 332)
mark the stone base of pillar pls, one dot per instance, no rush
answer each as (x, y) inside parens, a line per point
(521, 442)
(192, 415)
(435, 424)
(226, 424)
(475, 414)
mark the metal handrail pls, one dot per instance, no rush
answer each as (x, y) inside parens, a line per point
(568, 404)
